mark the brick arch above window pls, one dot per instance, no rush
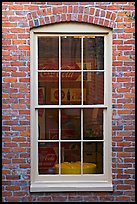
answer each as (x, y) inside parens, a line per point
(69, 13)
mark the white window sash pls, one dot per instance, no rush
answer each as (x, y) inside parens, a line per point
(69, 182)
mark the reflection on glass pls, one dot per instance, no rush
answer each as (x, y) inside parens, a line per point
(48, 157)
(93, 124)
(48, 123)
(71, 157)
(48, 54)
(70, 124)
(94, 85)
(48, 88)
(93, 51)
(70, 53)
(71, 87)
(93, 154)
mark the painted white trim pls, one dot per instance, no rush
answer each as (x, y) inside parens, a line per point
(70, 27)
(93, 182)
(65, 186)
(71, 106)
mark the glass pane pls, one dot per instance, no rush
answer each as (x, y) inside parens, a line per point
(48, 121)
(48, 157)
(48, 53)
(48, 83)
(94, 86)
(93, 124)
(71, 88)
(93, 156)
(70, 124)
(70, 53)
(71, 157)
(93, 53)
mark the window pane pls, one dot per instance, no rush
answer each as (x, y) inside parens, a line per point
(94, 86)
(48, 53)
(71, 154)
(93, 153)
(48, 120)
(71, 87)
(48, 83)
(93, 51)
(93, 124)
(71, 52)
(47, 157)
(70, 124)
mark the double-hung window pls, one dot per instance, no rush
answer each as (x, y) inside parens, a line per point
(71, 108)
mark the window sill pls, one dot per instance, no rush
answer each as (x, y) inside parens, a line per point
(65, 186)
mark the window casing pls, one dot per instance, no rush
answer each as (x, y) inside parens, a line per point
(101, 181)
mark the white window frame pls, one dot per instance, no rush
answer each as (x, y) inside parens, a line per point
(92, 182)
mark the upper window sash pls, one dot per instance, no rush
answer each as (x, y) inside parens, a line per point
(104, 105)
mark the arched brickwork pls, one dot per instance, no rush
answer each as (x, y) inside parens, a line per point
(71, 13)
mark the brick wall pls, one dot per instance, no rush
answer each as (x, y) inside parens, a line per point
(17, 18)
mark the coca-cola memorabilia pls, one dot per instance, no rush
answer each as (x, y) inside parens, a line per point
(48, 157)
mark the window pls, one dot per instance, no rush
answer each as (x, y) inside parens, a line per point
(71, 108)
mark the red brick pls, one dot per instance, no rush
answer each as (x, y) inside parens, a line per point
(10, 79)
(18, 42)
(129, 95)
(118, 42)
(92, 11)
(10, 144)
(25, 133)
(129, 30)
(129, 106)
(23, 36)
(5, 95)
(24, 166)
(18, 74)
(6, 194)
(6, 42)
(12, 177)
(123, 90)
(129, 42)
(123, 79)
(18, 128)
(122, 198)
(9, 24)
(20, 194)
(124, 111)
(13, 188)
(123, 154)
(6, 161)
(18, 161)
(18, 106)
(124, 47)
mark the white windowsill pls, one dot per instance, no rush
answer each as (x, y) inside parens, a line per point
(58, 187)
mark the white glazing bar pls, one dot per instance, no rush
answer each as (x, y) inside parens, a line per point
(70, 34)
(59, 70)
(71, 106)
(106, 95)
(46, 70)
(59, 141)
(59, 104)
(37, 143)
(36, 74)
(82, 70)
(82, 141)
(82, 105)
(36, 100)
(71, 140)
(70, 70)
